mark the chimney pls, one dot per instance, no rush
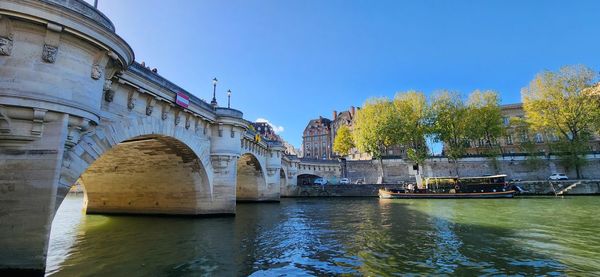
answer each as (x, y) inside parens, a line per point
(334, 115)
(352, 111)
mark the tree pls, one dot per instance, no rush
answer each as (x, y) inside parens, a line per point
(484, 117)
(594, 93)
(412, 114)
(376, 128)
(556, 103)
(450, 124)
(520, 127)
(343, 142)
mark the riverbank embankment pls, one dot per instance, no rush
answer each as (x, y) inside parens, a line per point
(530, 188)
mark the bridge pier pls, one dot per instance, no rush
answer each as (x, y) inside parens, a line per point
(30, 195)
(223, 189)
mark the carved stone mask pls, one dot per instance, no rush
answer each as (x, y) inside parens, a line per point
(49, 53)
(149, 110)
(6, 45)
(96, 71)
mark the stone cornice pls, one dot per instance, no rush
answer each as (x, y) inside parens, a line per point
(135, 79)
(74, 22)
(85, 9)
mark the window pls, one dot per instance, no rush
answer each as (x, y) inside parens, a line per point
(509, 140)
(539, 138)
(506, 121)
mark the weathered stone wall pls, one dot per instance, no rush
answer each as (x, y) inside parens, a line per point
(351, 190)
(371, 190)
(28, 190)
(549, 188)
(250, 178)
(516, 167)
(258, 177)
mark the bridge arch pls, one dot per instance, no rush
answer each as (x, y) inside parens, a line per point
(140, 166)
(307, 179)
(251, 178)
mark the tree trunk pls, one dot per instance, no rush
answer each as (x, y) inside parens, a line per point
(382, 170)
(455, 161)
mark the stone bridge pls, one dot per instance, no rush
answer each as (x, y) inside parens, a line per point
(76, 107)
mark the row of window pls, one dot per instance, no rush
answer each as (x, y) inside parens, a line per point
(508, 140)
(317, 138)
(316, 144)
(324, 168)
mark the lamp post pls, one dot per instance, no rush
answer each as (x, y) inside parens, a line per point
(214, 100)
(228, 99)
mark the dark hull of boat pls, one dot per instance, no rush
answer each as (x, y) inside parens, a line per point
(383, 194)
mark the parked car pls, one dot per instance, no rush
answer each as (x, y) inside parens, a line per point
(359, 181)
(344, 181)
(320, 181)
(558, 176)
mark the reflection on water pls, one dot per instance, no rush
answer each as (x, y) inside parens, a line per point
(336, 237)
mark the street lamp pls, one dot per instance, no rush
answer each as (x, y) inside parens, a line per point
(214, 100)
(228, 99)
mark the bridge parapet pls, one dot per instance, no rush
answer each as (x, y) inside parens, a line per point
(329, 169)
(85, 9)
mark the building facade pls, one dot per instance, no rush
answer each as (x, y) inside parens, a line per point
(518, 140)
(346, 118)
(319, 136)
(316, 139)
(266, 131)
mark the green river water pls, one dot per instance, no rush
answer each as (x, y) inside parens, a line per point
(343, 236)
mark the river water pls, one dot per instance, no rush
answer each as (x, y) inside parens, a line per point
(350, 236)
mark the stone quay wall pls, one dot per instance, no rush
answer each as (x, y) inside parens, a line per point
(350, 190)
(398, 170)
(531, 188)
(584, 187)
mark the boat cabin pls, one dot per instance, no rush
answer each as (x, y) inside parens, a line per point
(492, 183)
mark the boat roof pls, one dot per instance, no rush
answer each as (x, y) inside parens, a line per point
(484, 177)
(475, 177)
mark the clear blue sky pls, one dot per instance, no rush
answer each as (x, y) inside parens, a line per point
(292, 60)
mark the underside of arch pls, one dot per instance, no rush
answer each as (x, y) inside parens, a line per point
(146, 174)
(307, 179)
(251, 182)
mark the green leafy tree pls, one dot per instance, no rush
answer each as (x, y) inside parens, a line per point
(485, 119)
(520, 128)
(376, 128)
(557, 103)
(450, 124)
(594, 93)
(413, 116)
(343, 142)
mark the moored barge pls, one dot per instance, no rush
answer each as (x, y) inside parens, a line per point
(453, 187)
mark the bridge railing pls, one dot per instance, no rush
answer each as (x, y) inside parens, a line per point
(229, 112)
(174, 89)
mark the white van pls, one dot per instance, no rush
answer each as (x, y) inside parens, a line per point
(320, 181)
(558, 176)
